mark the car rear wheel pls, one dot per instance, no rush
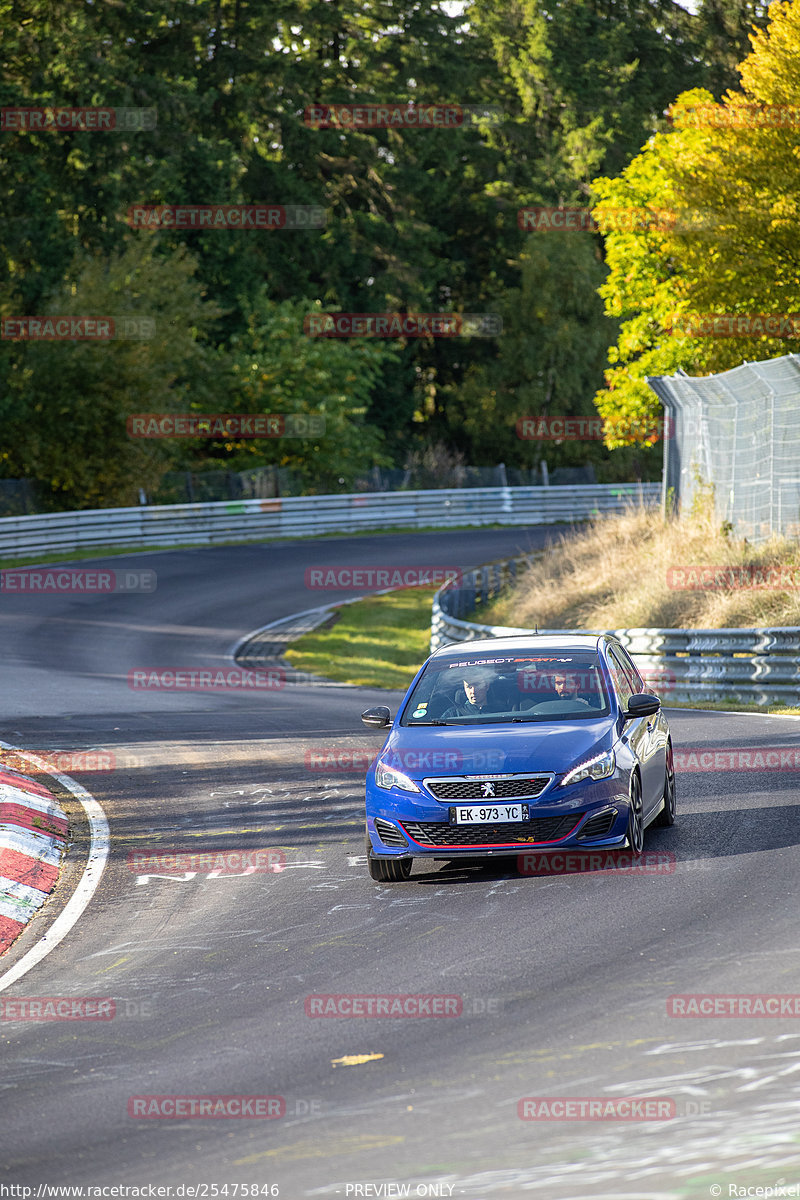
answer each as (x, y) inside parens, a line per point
(635, 830)
(387, 870)
(667, 814)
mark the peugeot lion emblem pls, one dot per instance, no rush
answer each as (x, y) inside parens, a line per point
(487, 789)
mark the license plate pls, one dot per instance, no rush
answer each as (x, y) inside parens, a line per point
(488, 814)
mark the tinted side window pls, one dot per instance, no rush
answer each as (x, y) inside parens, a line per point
(620, 676)
(636, 681)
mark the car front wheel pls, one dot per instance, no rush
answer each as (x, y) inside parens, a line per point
(387, 870)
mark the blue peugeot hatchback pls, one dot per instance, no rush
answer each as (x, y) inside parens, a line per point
(510, 744)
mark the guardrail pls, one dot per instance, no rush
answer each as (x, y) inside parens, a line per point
(758, 666)
(298, 516)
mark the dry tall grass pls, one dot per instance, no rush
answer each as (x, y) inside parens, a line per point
(613, 575)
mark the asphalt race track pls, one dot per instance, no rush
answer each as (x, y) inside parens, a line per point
(563, 980)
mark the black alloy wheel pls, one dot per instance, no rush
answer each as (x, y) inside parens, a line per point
(635, 818)
(667, 815)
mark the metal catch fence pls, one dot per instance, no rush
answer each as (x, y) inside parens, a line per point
(740, 432)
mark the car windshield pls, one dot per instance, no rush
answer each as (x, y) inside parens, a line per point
(557, 685)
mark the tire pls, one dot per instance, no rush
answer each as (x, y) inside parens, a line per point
(667, 815)
(388, 870)
(635, 831)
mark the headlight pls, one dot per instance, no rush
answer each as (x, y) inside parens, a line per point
(387, 777)
(596, 768)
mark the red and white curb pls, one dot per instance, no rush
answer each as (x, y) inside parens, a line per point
(33, 837)
(99, 844)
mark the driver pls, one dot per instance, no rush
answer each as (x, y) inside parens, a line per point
(476, 683)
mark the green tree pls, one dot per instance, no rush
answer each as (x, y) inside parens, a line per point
(725, 27)
(554, 342)
(276, 368)
(417, 220)
(731, 180)
(594, 77)
(64, 405)
(230, 84)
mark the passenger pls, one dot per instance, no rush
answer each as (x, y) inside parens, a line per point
(566, 685)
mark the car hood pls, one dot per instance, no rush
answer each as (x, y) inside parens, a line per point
(458, 750)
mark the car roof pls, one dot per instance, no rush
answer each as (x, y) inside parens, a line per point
(525, 642)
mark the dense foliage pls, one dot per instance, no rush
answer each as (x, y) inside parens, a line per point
(418, 220)
(715, 275)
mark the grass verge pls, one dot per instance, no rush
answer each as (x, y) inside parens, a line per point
(379, 642)
(633, 571)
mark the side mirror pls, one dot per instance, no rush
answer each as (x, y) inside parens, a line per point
(642, 705)
(377, 718)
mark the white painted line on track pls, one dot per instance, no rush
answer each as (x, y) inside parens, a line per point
(98, 856)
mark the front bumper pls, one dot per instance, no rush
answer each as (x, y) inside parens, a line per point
(402, 825)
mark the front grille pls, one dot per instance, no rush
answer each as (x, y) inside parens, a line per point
(599, 826)
(517, 786)
(526, 833)
(390, 835)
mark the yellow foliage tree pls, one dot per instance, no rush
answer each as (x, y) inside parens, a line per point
(705, 221)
